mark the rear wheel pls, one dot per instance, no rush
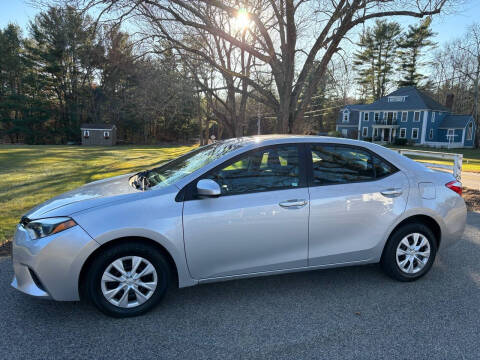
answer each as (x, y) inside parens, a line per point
(410, 252)
(127, 280)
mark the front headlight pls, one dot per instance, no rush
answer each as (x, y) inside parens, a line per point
(43, 227)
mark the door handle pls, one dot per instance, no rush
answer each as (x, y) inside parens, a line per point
(294, 203)
(392, 192)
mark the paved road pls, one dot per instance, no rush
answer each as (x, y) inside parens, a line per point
(332, 314)
(471, 180)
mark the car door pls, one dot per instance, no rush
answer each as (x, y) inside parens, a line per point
(259, 222)
(355, 197)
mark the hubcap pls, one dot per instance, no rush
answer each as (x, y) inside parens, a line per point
(413, 253)
(129, 281)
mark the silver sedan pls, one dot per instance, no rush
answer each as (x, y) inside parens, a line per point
(237, 208)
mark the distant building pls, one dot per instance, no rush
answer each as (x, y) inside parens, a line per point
(409, 114)
(99, 134)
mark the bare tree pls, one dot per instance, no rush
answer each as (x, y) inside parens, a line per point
(457, 71)
(294, 39)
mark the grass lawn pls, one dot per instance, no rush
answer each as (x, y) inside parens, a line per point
(471, 157)
(30, 175)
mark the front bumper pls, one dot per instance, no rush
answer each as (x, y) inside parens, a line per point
(50, 267)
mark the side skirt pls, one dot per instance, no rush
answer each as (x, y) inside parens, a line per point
(285, 271)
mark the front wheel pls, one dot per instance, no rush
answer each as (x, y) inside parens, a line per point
(128, 279)
(410, 252)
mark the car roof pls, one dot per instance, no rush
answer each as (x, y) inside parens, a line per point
(279, 139)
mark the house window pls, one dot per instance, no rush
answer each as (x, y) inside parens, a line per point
(404, 116)
(375, 132)
(403, 133)
(344, 132)
(346, 116)
(365, 131)
(433, 117)
(106, 134)
(365, 116)
(377, 116)
(415, 133)
(396, 98)
(430, 135)
(470, 131)
(86, 134)
(416, 116)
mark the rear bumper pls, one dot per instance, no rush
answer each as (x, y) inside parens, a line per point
(50, 267)
(455, 222)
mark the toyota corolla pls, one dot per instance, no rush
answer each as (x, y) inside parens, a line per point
(237, 208)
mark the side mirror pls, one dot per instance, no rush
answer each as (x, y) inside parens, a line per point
(208, 187)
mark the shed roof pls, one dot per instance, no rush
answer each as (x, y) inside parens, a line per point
(455, 121)
(97, 126)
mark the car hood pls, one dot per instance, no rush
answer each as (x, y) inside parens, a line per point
(87, 196)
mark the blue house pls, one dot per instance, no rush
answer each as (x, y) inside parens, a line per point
(409, 114)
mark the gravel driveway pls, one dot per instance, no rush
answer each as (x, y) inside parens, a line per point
(345, 313)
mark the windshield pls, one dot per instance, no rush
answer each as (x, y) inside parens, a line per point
(177, 169)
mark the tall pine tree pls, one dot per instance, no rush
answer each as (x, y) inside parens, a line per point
(411, 49)
(374, 61)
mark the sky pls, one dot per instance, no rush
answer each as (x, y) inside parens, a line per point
(448, 27)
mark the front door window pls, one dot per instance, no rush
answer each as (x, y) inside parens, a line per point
(264, 170)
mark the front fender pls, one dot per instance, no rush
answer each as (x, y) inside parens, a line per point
(177, 254)
(158, 218)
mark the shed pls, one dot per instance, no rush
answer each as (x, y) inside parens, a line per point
(99, 134)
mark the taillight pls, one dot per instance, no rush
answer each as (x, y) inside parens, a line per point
(455, 186)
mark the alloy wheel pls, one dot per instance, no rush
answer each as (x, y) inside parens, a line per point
(413, 253)
(129, 281)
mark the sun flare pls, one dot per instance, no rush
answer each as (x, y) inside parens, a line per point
(242, 20)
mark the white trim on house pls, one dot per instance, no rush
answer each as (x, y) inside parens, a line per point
(433, 116)
(86, 133)
(397, 98)
(469, 124)
(358, 130)
(451, 135)
(416, 137)
(463, 136)
(346, 116)
(96, 129)
(404, 133)
(424, 127)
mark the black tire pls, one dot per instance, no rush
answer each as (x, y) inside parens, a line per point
(389, 257)
(103, 260)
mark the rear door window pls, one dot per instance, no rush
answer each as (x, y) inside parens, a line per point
(337, 164)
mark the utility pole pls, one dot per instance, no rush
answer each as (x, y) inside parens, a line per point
(258, 121)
